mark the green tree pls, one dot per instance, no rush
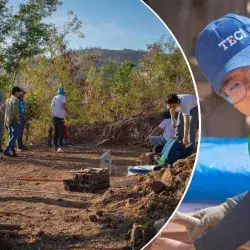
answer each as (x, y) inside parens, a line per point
(123, 76)
(107, 74)
(25, 32)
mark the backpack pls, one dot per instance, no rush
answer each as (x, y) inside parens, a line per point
(172, 151)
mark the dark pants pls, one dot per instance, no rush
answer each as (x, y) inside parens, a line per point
(232, 232)
(21, 129)
(193, 126)
(13, 131)
(58, 131)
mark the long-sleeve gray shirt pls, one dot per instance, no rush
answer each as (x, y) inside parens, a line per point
(232, 232)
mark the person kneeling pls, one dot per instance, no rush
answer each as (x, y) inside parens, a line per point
(165, 128)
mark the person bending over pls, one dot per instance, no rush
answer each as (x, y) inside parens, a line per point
(188, 117)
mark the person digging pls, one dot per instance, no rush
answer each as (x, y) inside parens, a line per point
(188, 118)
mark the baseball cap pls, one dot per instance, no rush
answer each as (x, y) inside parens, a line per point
(223, 46)
(22, 91)
(61, 91)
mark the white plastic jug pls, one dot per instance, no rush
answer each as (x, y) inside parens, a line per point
(106, 161)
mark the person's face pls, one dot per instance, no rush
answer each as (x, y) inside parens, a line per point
(17, 94)
(21, 96)
(236, 84)
(172, 106)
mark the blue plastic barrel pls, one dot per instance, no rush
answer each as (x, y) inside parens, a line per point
(222, 170)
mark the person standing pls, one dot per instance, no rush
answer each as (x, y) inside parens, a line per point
(1, 122)
(22, 119)
(10, 109)
(58, 112)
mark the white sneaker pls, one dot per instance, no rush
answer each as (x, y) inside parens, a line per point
(60, 150)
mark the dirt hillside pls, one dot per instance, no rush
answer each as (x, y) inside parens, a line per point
(132, 131)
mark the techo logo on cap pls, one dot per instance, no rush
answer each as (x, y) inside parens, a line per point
(233, 39)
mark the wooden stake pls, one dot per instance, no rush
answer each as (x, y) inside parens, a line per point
(38, 179)
(10, 226)
(7, 213)
(13, 233)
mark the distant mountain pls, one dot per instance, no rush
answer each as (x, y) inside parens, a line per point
(119, 56)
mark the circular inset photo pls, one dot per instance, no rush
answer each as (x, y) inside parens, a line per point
(99, 124)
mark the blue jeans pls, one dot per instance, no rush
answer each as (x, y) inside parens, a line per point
(156, 140)
(13, 131)
(20, 136)
(193, 126)
(1, 133)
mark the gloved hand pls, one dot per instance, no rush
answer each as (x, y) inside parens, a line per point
(210, 217)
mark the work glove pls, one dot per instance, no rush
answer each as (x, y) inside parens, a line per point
(209, 218)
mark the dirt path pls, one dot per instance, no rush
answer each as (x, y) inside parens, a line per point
(59, 221)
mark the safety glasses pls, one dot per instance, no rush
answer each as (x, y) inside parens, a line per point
(235, 91)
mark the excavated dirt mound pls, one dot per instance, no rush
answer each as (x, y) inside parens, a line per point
(145, 203)
(131, 131)
(140, 204)
(86, 133)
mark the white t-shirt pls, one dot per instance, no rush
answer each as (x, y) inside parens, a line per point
(57, 107)
(169, 131)
(188, 102)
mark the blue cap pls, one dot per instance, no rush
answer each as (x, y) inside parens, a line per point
(61, 91)
(223, 46)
